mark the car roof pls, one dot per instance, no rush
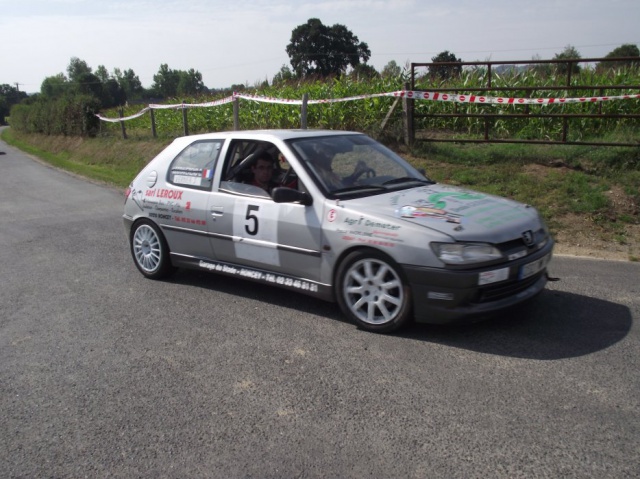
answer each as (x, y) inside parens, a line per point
(266, 134)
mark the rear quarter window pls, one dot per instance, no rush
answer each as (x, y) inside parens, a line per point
(195, 165)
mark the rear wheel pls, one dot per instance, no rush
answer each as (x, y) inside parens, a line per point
(372, 292)
(150, 251)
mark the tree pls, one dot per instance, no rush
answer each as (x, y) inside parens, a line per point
(9, 96)
(449, 69)
(102, 73)
(283, 76)
(628, 50)
(77, 68)
(112, 94)
(391, 70)
(569, 53)
(89, 84)
(165, 82)
(190, 83)
(54, 86)
(130, 83)
(363, 71)
(316, 49)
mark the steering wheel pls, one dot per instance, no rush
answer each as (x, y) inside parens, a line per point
(289, 177)
(245, 163)
(360, 169)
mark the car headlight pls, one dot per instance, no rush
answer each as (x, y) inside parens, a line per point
(465, 253)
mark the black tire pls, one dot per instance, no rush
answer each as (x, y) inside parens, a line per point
(150, 251)
(372, 292)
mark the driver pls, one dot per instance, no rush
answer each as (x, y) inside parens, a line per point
(262, 171)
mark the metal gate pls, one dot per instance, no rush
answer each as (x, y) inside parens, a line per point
(495, 83)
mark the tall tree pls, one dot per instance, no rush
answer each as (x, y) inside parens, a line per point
(283, 76)
(452, 66)
(363, 71)
(130, 83)
(318, 49)
(391, 70)
(112, 94)
(9, 96)
(54, 86)
(77, 68)
(569, 53)
(628, 50)
(190, 83)
(89, 84)
(102, 73)
(165, 82)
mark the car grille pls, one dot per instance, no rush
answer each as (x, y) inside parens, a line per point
(500, 291)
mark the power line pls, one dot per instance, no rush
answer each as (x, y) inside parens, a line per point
(510, 50)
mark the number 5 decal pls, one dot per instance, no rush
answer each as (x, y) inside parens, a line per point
(252, 220)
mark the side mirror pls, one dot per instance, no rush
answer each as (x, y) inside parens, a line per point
(283, 194)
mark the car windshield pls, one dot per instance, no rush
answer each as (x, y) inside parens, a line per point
(347, 165)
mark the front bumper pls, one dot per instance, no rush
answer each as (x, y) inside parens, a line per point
(442, 296)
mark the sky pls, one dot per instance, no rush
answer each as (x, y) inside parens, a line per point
(244, 41)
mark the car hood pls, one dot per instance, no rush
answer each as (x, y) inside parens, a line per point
(463, 214)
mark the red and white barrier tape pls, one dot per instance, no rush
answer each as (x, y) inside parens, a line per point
(180, 106)
(168, 107)
(415, 95)
(131, 117)
(436, 96)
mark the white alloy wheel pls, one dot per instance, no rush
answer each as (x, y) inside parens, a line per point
(149, 251)
(372, 292)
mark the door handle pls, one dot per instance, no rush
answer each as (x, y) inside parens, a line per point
(217, 211)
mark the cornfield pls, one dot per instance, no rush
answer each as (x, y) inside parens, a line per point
(367, 115)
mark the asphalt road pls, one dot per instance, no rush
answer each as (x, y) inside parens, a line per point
(106, 374)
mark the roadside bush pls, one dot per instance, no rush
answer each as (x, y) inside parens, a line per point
(72, 115)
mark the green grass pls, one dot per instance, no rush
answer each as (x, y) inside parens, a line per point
(560, 181)
(115, 162)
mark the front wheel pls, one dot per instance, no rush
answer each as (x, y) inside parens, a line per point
(150, 251)
(372, 292)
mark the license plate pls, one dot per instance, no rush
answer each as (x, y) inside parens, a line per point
(534, 267)
(494, 276)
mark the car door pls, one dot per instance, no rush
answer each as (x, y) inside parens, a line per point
(181, 208)
(248, 228)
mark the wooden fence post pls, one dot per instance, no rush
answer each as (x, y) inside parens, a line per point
(236, 113)
(185, 122)
(124, 130)
(407, 114)
(303, 111)
(153, 123)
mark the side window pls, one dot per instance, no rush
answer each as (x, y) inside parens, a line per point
(194, 166)
(288, 176)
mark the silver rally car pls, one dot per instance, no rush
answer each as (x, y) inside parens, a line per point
(343, 218)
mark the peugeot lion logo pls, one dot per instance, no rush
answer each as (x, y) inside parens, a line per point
(527, 237)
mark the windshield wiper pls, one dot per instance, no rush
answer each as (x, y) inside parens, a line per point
(351, 189)
(407, 179)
